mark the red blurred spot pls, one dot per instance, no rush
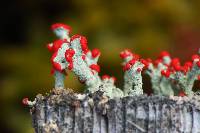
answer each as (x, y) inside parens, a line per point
(49, 47)
(95, 53)
(52, 71)
(25, 101)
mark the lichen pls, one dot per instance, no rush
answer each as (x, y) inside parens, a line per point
(168, 76)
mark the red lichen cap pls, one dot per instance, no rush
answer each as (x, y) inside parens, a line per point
(132, 62)
(70, 66)
(184, 69)
(83, 42)
(95, 52)
(195, 56)
(177, 67)
(188, 64)
(165, 73)
(127, 66)
(145, 62)
(84, 46)
(60, 25)
(57, 44)
(125, 53)
(95, 67)
(156, 62)
(25, 101)
(69, 54)
(163, 54)
(136, 56)
(105, 77)
(75, 37)
(149, 60)
(175, 62)
(69, 58)
(49, 47)
(56, 65)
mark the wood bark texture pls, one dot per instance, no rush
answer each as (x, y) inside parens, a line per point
(62, 112)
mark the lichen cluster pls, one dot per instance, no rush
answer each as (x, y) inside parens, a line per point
(168, 75)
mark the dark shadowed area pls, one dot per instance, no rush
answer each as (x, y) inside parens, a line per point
(145, 26)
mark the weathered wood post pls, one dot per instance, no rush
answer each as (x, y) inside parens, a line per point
(63, 113)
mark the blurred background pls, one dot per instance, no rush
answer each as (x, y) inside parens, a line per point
(145, 26)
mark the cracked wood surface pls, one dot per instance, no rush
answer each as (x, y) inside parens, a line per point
(62, 112)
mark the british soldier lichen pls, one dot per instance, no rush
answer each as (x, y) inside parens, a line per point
(168, 76)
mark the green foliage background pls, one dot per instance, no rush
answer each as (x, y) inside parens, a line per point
(145, 26)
